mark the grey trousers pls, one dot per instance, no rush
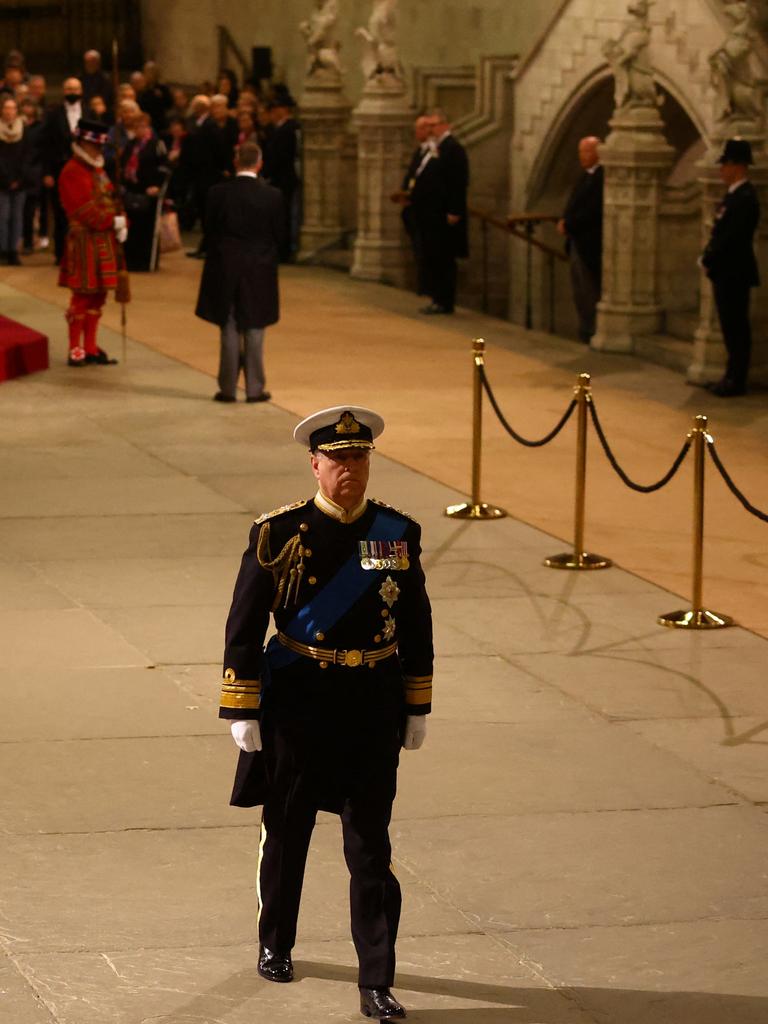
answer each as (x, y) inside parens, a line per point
(244, 350)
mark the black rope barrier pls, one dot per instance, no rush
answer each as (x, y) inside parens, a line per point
(511, 431)
(732, 486)
(643, 488)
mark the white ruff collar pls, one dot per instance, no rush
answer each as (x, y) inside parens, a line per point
(92, 161)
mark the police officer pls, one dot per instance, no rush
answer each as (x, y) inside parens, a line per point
(730, 264)
(321, 715)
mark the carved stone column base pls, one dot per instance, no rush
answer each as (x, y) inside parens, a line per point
(618, 326)
(325, 118)
(637, 159)
(383, 122)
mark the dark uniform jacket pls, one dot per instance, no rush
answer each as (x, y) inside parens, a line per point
(583, 218)
(243, 229)
(440, 189)
(729, 255)
(353, 591)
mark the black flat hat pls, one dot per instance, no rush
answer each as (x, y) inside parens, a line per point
(736, 151)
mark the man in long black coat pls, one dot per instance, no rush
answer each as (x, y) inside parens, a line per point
(730, 264)
(56, 138)
(582, 226)
(439, 203)
(238, 289)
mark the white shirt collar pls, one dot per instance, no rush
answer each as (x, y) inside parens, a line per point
(737, 184)
(74, 112)
(595, 167)
(338, 513)
(247, 174)
(443, 136)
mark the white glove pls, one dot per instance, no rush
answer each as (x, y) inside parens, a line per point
(120, 224)
(247, 735)
(415, 732)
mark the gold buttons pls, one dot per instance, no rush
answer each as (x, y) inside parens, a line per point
(371, 665)
(319, 635)
(385, 612)
(312, 580)
(323, 664)
(377, 638)
(307, 552)
(303, 527)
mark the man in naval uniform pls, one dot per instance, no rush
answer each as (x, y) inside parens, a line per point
(321, 715)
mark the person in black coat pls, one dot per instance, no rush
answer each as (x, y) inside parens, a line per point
(238, 288)
(281, 168)
(96, 81)
(582, 226)
(144, 171)
(14, 156)
(423, 151)
(730, 264)
(56, 142)
(439, 201)
(212, 151)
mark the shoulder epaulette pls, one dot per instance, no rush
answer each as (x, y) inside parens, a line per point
(281, 511)
(391, 508)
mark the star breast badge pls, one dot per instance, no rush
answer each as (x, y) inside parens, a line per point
(389, 591)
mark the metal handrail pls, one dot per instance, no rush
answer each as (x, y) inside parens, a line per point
(530, 222)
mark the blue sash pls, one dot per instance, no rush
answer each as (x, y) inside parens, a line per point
(337, 597)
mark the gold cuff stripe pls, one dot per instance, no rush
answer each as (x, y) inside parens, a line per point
(242, 689)
(420, 697)
(418, 679)
(237, 702)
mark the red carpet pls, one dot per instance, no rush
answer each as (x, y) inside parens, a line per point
(22, 350)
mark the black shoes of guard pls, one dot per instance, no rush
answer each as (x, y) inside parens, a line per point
(275, 966)
(380, 1004)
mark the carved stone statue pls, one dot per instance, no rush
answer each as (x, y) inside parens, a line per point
(739, 92)
(322, 45)
(630, 61)
(380, 61)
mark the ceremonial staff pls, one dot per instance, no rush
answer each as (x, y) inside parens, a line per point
(123, 289)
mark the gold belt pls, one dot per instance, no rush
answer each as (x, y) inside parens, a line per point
(328, 656)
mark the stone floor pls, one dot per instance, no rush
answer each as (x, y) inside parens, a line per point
(582, 839)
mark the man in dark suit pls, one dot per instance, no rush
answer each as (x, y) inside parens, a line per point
(730, 264)
(424, 151)
(238, 289)
(582, 226)
(96, 81)
(439, 200)
(56, 146)
(281, 167)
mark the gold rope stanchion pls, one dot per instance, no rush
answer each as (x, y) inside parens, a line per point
(476, 509)
(579, 558)
(697, 617)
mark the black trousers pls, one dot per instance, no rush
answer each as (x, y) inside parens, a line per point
(732, 301)
(60, 224)
(374, 892)
(439, 266)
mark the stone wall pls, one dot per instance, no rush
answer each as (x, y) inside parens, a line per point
(181, 34)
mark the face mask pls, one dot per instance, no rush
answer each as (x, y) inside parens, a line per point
(72, 97)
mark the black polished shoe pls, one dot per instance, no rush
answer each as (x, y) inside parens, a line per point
(263, 397)
(221, 397)
(275, 966)
(727, 390)
(100, 358)
(380, 1003)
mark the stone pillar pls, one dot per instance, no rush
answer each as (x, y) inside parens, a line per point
(384, 129)
(637, 161)
(324, 121)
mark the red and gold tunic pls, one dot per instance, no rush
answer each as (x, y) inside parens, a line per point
(90, 260)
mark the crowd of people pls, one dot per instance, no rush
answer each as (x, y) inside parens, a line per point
(166, 148)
